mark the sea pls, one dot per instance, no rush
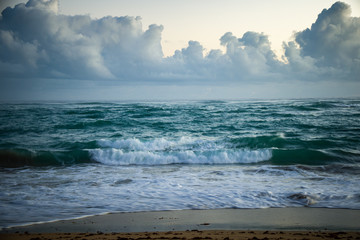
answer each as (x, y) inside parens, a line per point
(63, 160)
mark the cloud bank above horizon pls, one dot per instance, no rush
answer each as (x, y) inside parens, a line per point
(66, 55)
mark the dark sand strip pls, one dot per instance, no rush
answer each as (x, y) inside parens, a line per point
(193, 235)
(307, 219)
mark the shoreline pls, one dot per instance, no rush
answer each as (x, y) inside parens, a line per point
(293, 218)
(267, 223)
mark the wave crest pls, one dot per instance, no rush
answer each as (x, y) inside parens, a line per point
(183, 151)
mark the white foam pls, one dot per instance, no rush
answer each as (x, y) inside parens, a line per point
(182, 151)
(157, 144)
(136, 144)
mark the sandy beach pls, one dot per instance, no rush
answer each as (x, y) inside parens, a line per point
(270, 223)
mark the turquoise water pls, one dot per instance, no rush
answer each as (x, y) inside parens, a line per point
(63, 160)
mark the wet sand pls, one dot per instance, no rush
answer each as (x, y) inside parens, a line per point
(270, 223)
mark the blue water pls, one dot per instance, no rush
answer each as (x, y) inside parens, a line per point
(64, 160)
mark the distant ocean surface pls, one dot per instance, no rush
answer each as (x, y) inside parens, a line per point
(65, 160)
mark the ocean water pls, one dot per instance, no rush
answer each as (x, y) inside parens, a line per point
(66, 160)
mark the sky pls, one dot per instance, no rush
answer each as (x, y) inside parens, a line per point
(159, 50)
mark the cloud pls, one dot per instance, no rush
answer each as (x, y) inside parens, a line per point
(249, 58)
(330, 47)
(46, 44)
(37, 43)
(251, 54)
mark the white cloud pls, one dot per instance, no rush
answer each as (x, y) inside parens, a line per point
(38, 43)
(331, 45)
(75, 46)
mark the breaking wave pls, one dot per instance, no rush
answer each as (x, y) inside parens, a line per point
(183, 151)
